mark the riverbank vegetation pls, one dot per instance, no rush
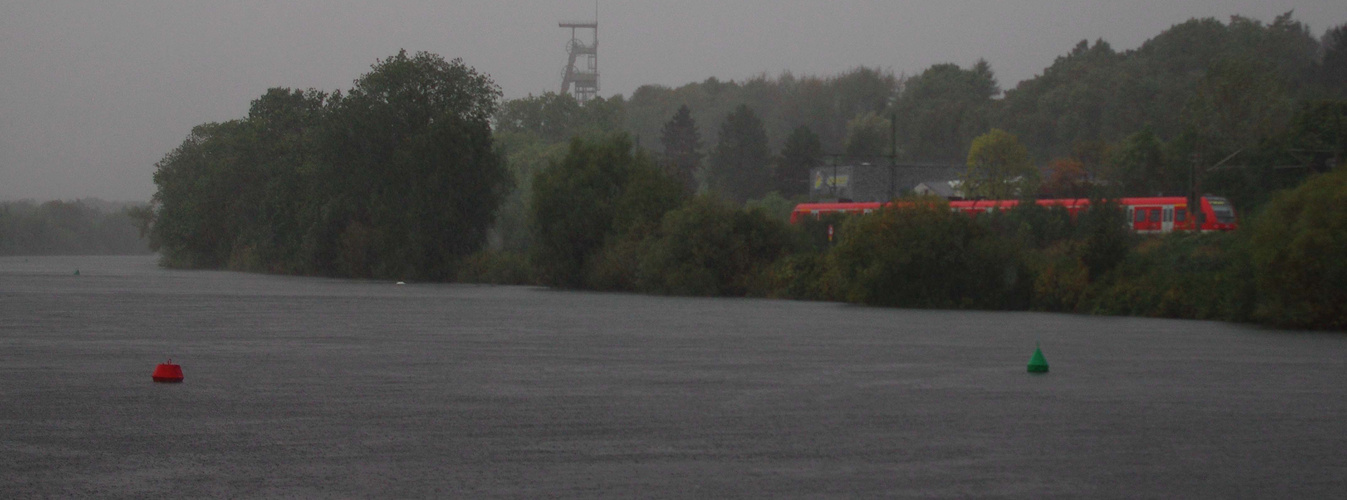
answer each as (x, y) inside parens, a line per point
(420, 173)
(1285, 268)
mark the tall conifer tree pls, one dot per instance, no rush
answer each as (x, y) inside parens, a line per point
(739, 163)
(682, 143)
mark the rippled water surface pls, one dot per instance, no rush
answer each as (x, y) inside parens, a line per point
(333, 388)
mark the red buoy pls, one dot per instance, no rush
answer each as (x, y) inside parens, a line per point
(167, 372)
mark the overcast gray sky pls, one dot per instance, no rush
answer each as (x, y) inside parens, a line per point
(93, 93)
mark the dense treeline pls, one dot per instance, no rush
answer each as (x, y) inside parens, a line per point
(1204, 105)
(397, 178)
(686, 190)
(80, 227)
(608, 219)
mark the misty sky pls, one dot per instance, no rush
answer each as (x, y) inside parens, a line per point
(93, 93)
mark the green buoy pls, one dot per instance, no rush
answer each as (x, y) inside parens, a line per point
(77, 272)
(1038, 364)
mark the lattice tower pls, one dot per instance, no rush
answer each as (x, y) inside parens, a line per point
(582, 68)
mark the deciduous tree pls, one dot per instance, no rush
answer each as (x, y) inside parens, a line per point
(1297, 246)
(1137, 167)
(942, 109)
(708, 247)
(999, 167)
(397, 178)
(596, 194)
(1066, 179)
(868, 136)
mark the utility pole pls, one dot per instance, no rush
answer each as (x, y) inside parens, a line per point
(1194, 205)
(893, 156)
(1194, 187)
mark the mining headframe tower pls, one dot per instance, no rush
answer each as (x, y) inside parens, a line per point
(585, 75)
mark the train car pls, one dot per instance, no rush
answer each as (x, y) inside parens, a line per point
(1144, 215)
(817, 210)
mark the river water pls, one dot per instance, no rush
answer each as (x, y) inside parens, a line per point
(306, 387)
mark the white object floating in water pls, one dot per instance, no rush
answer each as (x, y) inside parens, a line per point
(402, 283)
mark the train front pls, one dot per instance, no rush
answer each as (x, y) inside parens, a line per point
(1220, 214)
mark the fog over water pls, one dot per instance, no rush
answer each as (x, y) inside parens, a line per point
(314, 387)
(93, 93)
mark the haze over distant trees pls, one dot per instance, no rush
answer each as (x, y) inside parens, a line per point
(1194, 95)
(81, 227)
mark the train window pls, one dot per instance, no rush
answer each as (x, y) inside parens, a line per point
(1180, 215)
(1155, 215)
(1129, 213)
(1221, 209)
(1169, 214)
(1140, 216)
(1224, 214)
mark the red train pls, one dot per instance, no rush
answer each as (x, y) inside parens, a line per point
(1147, 215)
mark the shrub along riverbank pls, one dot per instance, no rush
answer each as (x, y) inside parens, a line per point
(605, 218)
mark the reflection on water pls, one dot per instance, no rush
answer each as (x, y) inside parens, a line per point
(320, 387)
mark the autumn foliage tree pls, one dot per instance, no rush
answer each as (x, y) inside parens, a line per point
(999, 167)
(1067, 178)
